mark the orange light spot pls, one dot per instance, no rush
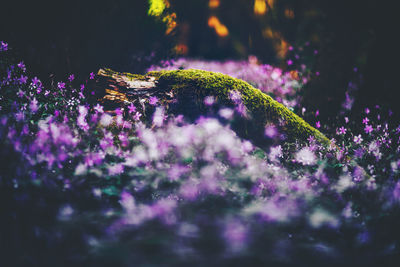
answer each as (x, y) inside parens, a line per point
(271, 3)
(260, 7)
(282, 48)
(170, 21)
(213, 21)
(181, 49)
(268, 33)
(294, 74)
(289, 13)
(220, 29)
(213, 4)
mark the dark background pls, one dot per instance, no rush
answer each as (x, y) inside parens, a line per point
(62, 37)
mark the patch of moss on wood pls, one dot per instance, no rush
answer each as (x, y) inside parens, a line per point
(262, 108)
(113, 74)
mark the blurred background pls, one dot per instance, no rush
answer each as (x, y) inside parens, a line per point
(340, 41)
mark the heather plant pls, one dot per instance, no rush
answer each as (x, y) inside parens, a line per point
(80, 186)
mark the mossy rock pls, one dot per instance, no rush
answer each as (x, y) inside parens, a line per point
(190, 87)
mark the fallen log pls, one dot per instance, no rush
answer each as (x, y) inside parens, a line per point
(183, 91)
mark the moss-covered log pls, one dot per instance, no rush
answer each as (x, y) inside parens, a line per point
(190, 87)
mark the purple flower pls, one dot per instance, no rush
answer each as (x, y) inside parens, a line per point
(365, 120)
(3, 46)
(153, 100)
(131, 108)
(82, 87)
(367, 110)
(23, 79)
(61, 85)
(289, 62)
(368, 129)
(71, 77)
(311, 139)
(137, 116)
(20, 93)
(91, 76)
(99, 108)
(21, 65)
(342, 130)
(119, 111)
(34, 105)
(318, 124)
(35, 81)
(270, 131)
(358, 139)
(209, 100)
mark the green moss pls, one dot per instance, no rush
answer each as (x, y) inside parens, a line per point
(130, 76)
(262, 108)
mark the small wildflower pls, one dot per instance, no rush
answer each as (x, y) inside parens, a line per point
(270, 131)
(34, 105)
(209, 100)
(3, 46)
(289, 62)
(137, 116)
(91, 76)
(346, 119)
(82, 87)
(131, 108)
(21, 65)
(342, 131)
(367, 110)
(99, 108)
(365, 120)
(153, 100)
(358, 139)
(71, 77)
(318, 124)
(20, 93)
(35, 81)
(226, 113)
(61, 85)
(305, 156)
(235, 96)
(368, 129)
(23, 79)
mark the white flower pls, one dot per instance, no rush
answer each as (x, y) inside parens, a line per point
(305, 156)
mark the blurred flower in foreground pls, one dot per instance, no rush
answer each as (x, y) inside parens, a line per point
(305, 156)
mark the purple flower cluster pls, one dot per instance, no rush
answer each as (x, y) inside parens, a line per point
(135, 182)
